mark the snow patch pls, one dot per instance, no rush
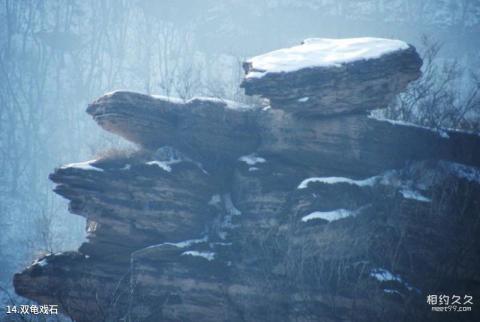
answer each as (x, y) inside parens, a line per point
(220, 244)
(378, 115)
(222, 234)
(215, 200)
(334, 180)
(390, 291)
(303, 99)
(469, 173)
(182, 244)
(414, 195)
(383, 275)
(444, 134)
(329, 215)
(229, 206)
(169, 99)
(252, 159)
(226, 219)
(228, 103)
(188, 243)
(164, 165)
(322, 52)
(87, 165)
(207, 255)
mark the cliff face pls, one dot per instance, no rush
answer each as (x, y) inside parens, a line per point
(308, 210)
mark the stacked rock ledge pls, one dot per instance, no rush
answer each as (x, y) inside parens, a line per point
(230, 212)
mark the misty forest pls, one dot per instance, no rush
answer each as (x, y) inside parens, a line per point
(240, 160)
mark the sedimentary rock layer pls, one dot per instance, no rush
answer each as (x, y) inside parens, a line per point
(352, 144)
(237, 213)
(212, 131)
(341, 76)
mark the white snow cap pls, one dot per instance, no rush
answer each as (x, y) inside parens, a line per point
(252, 159)
(334, 180)
(210, 256)
(164, 165)
(228, 103)
(87, 165)
(329, 215)
(414, 195)
(322, 52)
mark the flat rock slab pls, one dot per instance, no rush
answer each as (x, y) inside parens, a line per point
(332, 76)
(357, 145)
(217, 136)
(197, 127)
(170, 196)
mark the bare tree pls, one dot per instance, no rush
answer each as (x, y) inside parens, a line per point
(446, 96)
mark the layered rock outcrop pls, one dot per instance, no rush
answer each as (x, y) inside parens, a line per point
(333, 76)
(311, 210)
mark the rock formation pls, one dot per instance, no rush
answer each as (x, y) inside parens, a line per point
(311, 209)
(325, 76)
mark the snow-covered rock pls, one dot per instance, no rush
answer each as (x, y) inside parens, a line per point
(334, 180)
(207, 255)
(87, 165)
(321, 52)
(266, 253)
(329, 215)
(252, 159)
(332, 76)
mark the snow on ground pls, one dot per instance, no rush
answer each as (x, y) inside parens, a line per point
(188, 243)
(41, 263)
(387, 178)
(87, 165)
(207, 255)
(383, 275)
(379, 116)
(228, 103)
(252, 159)
(220, 244)
(182, 244)
(329, 215)
(415, 195)
(229, 206)
(165, 157)
(303, 99)
(333, 180)
(462, 171)
(390, 291)
(164, 165)
(231, 211)
(322, 52)
(169, 99)
(215, 200)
